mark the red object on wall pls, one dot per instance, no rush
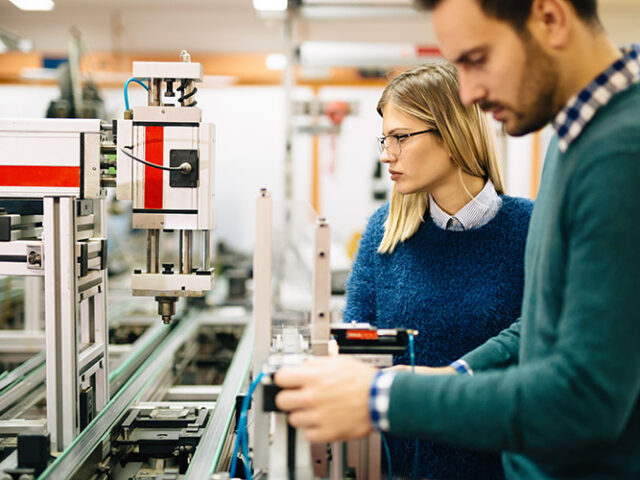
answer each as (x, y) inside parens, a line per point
(39, 176)
(153, 177)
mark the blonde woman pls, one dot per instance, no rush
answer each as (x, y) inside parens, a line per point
(446, 255)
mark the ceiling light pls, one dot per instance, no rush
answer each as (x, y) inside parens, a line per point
(33, 4)
(269, 5)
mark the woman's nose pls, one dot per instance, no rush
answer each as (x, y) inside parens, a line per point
(385, 157)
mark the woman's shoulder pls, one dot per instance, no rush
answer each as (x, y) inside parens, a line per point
(517, 206)
(376, 221)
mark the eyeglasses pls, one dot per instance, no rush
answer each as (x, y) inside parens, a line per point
(393, 143)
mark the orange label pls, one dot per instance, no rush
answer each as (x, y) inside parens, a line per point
(362, 335)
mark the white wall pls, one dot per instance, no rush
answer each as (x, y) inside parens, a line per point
(250, 151)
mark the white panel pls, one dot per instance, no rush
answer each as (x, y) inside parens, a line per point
(38, 191)
(206, 192)
(46, 149)
(51, 125)
(123, 162)
(167, 114)
(191, 70)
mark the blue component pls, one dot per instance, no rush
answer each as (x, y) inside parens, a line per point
(126, 90)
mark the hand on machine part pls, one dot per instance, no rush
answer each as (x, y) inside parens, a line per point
(328, 397)
(424, 370)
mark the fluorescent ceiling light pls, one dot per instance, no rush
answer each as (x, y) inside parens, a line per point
(269, 5)
(33, 4)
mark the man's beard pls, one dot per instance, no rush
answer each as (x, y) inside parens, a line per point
(537, 93)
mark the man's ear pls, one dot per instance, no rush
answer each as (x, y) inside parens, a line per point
(550, 21)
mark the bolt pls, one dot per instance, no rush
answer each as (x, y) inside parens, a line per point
(34, 258)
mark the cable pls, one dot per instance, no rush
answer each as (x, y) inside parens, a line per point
(386, 450)
(182, 88)
(412, 357)
(126, 90)
(242, 437)
(183, 167)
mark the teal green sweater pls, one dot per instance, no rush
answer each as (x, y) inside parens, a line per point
(558, 391)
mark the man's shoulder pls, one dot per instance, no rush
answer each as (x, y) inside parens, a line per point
(614, 128)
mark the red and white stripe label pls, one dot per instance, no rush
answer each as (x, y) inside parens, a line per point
(39, 176)
(153, 177)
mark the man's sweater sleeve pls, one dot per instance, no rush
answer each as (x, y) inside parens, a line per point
(361, 292)
(586, 388)
(500, 351)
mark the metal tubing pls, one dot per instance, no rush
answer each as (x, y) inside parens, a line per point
(187, 252)
(262, 264)
(61, 319)
(153, 251)
(155, 92)
(180, 250)
(320, 321)
(206, 249)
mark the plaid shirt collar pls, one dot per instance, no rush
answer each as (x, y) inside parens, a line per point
(574, 117)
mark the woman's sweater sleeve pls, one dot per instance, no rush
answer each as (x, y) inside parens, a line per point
(498, 352)
(361, 286)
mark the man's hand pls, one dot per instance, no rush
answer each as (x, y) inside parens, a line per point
(328, 397)
(424, 370)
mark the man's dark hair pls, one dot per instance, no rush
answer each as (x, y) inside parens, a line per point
(516, 12)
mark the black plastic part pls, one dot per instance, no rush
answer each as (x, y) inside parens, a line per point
(84, 259)
(103, 253)
(167, 268)
(389, 343)
(22, 206)
(204, 272)
(177, 179)
(13, 258)
(114, 130)
(291, 451)
(239, 400)
(137, 271)
(84, 207)
(87, 407)
(82, 175)
(5, 228)
(270, 392)
(34, 451)
(165, 210)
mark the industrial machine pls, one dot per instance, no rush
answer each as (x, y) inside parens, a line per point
(175, 405)
(53, 179)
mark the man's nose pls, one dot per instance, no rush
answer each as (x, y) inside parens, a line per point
(471, 90)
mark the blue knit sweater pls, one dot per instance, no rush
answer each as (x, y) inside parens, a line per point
(457, 289)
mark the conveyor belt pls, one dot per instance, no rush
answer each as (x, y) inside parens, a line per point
(99, 430)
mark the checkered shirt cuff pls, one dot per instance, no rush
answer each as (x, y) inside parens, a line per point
(379, 399)
(461, 366)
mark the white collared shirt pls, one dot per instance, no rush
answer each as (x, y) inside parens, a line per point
(478, 212)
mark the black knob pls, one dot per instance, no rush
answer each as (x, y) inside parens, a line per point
(167, 268)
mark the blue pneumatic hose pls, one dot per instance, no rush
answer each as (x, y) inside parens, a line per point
(126, 90)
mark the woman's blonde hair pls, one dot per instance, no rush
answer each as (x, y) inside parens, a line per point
(430, 93)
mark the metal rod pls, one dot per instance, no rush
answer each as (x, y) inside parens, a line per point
(180, 250)
(206, 246)
(155, 92)
(188, 252)
(153, 251)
